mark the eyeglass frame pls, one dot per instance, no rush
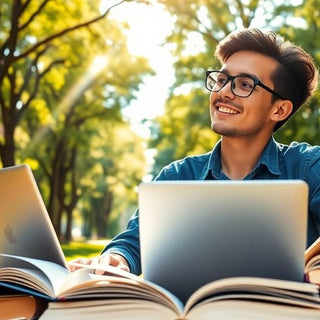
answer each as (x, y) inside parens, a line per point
(256, 82)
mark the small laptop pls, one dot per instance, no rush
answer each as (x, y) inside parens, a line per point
(25, 226)
(195, 232)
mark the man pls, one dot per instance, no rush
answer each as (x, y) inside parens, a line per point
(262, 82)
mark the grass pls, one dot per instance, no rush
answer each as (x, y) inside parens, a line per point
(88, 249)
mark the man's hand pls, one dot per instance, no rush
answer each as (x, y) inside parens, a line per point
(108, 259)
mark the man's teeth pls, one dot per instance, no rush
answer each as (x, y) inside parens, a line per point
(227, 110)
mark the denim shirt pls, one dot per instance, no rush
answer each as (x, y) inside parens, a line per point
(278, 161)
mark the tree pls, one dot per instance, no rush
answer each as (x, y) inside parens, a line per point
(55, 88)
(22, 52)
(118, 163)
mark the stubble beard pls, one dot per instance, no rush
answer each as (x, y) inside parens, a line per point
(234, 132)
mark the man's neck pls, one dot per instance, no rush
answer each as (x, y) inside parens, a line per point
(240, 155)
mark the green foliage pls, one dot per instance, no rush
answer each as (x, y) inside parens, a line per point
(185, 126)
(305, 124)
(65, 76)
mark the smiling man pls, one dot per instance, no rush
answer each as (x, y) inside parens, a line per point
(244, 108)
(262, 82)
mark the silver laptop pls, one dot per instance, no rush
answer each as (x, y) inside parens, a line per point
(194, 232)
(25, 226)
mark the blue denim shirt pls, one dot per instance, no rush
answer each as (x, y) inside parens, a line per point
(278, 161)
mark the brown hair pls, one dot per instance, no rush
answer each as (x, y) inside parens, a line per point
(295, 79)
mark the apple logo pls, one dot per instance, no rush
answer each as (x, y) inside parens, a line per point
(8, 232)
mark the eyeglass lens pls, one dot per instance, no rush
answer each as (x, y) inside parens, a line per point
(240, 85)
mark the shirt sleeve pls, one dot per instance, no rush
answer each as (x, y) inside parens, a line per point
(127, 244)
(312, 174)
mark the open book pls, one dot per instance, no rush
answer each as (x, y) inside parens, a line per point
(121, 295)
(312, 262)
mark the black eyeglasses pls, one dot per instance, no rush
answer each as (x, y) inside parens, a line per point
(241, 86)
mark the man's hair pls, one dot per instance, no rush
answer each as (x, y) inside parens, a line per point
(296, 77)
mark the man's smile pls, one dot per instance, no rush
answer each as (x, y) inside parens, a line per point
(226, 108)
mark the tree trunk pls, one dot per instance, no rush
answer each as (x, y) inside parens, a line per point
(7, 148)
(103, 216)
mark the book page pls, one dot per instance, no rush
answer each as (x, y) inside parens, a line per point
(85, 284)
(278, 299)
(55, 273)
(108, 270)
(115, 309)
(312, 251)
(312, 263)
(250, 284)
(161, 295)
(31, 278)
(313, 276)
(251, 310)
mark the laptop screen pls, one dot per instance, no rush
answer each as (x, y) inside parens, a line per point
(25, 226)
(194, 232)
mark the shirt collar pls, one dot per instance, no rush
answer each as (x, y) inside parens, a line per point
(269, 158)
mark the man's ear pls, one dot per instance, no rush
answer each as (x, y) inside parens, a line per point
(281, 110)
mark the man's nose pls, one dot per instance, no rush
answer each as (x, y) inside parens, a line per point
(226, 91)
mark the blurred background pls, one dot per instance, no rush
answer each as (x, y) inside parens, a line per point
(97, 95)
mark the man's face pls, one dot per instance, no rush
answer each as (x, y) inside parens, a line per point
(235, 116)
